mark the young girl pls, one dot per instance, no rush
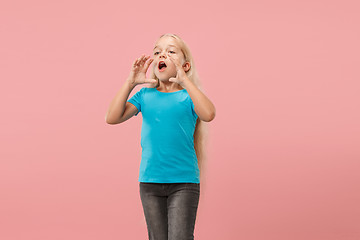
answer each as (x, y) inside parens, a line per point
(173, 109)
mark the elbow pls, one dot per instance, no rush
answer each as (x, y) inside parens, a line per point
(108, 121)
(112, 121)
(210, 117)
(212, 114)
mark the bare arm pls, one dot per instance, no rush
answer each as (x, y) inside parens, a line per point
(203, 107)
(120, 110)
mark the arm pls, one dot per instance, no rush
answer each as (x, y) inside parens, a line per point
(120, 110)
(203, 107)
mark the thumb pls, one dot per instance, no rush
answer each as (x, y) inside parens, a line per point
(172, 79)
(150, 80)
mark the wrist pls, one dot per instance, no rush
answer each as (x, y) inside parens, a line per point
(185, 84)
(130, 83)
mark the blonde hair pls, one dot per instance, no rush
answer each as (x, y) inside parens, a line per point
(201, 130)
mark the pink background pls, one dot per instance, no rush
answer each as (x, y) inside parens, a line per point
(284, 147)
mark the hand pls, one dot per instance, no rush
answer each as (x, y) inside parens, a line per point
(181, 76)
(138, 71)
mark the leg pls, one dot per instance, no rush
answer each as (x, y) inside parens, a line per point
(182, 207)
(155, 210)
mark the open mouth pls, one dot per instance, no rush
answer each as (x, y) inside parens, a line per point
(162, 66)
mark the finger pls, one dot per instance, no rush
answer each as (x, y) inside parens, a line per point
(175, 60)
(148, 62)
(144, 59)
(171, 59)
(140, 59)
(136, 62)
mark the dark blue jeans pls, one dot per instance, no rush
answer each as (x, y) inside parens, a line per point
(170, 209)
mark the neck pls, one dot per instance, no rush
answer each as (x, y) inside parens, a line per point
(167, 86)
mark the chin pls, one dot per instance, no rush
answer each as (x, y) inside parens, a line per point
(164, 80)
(165, 76)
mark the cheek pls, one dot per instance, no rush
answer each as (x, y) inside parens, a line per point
(178, 59)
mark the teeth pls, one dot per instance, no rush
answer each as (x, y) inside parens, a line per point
(162, 64)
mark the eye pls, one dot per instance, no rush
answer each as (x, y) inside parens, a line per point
(155, 53)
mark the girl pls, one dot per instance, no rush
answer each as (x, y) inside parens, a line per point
(173, 109)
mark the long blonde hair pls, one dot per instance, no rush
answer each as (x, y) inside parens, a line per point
(201, 130)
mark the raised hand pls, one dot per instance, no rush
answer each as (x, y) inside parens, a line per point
(180, 73)
(138, 71)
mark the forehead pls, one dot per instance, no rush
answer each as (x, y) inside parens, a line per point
(166, 42)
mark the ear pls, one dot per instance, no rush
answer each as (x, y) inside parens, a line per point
(186, 66)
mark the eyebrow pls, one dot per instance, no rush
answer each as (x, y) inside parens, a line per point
(169, 45)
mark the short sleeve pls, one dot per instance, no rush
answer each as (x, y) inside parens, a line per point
(193, 109)
(136, 99)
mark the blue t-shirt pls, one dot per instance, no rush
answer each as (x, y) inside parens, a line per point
(167, 136)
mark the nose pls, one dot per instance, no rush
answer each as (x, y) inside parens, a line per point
(162, 54)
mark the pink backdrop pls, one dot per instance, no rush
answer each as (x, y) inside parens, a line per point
(284, 148)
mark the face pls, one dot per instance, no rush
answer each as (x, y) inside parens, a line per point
(164, 46)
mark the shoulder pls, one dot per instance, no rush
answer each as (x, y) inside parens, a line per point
(186, 94)
(142, 90)
(147, 89)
